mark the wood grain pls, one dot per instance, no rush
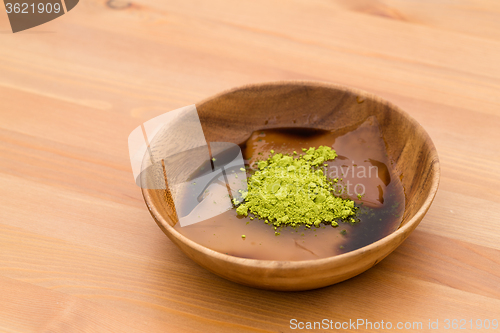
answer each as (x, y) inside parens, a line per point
(73, 225)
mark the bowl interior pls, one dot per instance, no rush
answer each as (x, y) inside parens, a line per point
(233, 116)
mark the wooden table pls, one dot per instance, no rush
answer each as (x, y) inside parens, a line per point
(79, 251)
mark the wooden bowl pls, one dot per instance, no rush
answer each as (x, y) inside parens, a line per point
(233, 115)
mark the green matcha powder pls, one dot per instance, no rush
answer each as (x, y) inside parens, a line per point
(292, 191)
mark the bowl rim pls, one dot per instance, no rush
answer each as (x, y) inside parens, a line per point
(401, 232)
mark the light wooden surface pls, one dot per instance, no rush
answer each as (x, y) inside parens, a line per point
(79, 251)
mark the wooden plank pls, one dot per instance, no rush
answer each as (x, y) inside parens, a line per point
(78, 248)
(27, 308)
